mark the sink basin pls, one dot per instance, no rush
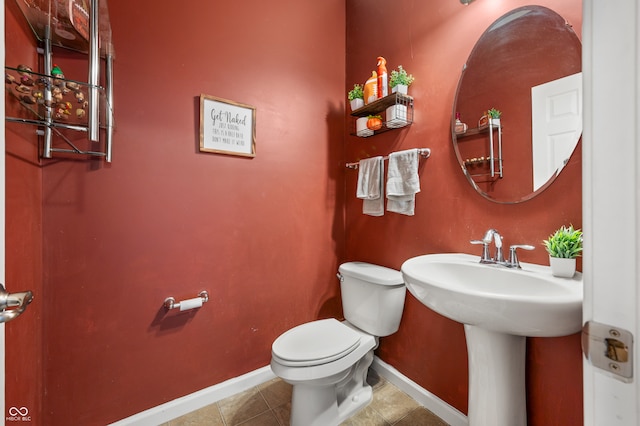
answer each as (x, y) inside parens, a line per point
(523, 302)
(499, 308)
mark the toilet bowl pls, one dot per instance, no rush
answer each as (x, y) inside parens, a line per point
(327, 361)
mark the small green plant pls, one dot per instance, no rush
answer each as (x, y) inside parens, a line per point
(400, 76)
(494, 113)
(564, 243)
(357, 92)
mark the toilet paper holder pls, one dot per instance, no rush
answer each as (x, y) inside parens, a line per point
(184, 305)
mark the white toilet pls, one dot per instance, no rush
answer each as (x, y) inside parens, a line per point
(327, 361)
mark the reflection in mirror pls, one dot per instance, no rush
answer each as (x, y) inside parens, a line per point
(526, 65)
(556, 117)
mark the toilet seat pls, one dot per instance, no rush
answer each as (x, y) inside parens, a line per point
(315, 343)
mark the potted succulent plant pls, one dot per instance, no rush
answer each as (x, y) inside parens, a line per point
(491, 116)
(356, 97)
(494, 113)
(400, 81)
(564, 246)
(494, 116)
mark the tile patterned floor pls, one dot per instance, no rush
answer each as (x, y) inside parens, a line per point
(269, 404)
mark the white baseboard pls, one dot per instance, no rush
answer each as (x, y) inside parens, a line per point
(425, 398)
(186, 404)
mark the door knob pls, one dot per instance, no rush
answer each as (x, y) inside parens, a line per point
(13, 304)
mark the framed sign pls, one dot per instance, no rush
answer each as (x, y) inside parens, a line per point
(227, 127)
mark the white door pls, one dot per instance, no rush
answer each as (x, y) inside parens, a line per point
(556, 120)
(611, 201)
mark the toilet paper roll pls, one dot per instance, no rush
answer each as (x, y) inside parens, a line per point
(361, 127)
(396, 116)
(185, 305)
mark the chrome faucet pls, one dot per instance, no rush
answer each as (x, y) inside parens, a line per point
(494, 235)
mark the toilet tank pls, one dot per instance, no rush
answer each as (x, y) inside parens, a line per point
(372, 297)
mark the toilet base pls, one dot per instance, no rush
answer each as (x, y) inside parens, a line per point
(325, 404)
(318, 407)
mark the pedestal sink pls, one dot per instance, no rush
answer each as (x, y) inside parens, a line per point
(499, 308)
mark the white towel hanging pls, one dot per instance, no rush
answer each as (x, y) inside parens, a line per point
(369, 188)
(403, 182)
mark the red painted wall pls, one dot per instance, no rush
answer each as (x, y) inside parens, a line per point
(23, 240)
(432, 40)
(264, 236)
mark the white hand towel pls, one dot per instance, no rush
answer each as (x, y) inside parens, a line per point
(370, 186)
(403, 182)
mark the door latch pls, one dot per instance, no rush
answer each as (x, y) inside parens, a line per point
(609, 348)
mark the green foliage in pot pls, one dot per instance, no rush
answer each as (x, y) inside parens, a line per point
(494, 113)
(357, 92)
(400, 76)
(564, 243)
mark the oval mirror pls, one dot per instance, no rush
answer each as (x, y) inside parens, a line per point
(527, 65)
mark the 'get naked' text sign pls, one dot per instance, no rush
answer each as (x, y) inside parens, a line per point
(227, 127)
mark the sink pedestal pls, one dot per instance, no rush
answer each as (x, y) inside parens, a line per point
(497, 393)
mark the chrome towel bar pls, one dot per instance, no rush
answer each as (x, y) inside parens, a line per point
(424, 153)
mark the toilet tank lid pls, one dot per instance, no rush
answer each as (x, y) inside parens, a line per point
(372, 273)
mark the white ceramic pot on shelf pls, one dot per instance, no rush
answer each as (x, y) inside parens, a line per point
(356, 103)
(562, 267)
(400, 88)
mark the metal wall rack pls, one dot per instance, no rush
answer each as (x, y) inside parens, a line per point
(390, 123)
(71, 26)
(495, 152)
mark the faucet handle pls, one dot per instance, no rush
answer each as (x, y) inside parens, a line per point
(485, 250)
(498, 242)
(513, 255)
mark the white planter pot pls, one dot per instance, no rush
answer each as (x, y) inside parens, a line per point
(562, 267)
(396, 116)
(361, 127)
(400, 88)
(494, 122)
(356, 104)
